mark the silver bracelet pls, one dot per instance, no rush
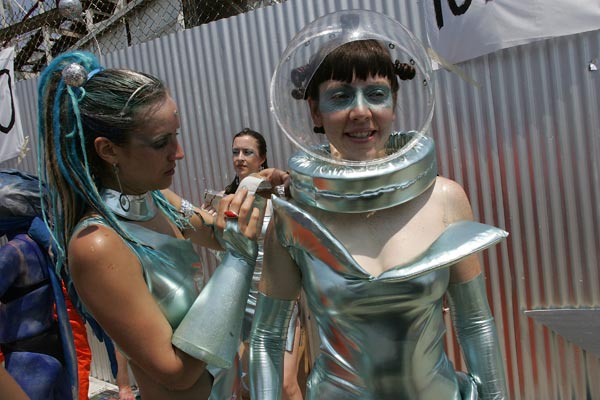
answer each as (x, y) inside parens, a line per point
(186, 209)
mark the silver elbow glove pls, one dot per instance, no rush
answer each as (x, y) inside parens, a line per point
(236, 243)
(211, 329)
(267, 346)
(477, 335)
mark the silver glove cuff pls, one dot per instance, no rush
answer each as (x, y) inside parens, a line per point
(211, 329)
(477, 335)
(267, 345)
(236, 243)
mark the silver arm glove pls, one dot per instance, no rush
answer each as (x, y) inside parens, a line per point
(267, 344)
(477, 335)
(211, 329)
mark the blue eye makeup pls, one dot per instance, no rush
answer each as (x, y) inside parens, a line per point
(246, 152)
(347, 96)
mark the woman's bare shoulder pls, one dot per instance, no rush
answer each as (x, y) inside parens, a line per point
(455, 200)
(449, 187)
(95, 244)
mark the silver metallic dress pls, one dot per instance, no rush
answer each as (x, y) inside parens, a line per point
(173, 288)
(382, 337)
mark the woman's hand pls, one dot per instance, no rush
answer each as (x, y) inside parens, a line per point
(209, 209)
(240, 206)
(278, 179)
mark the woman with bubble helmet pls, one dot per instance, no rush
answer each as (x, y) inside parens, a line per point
(373, 236)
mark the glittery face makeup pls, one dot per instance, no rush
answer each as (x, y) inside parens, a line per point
(245, 152)
(348, 96)
(357, 117)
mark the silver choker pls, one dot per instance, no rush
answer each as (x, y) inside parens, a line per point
(130, 206)
(355, 189)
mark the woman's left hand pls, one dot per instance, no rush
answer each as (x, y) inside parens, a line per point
(276, 177)
(209, 209)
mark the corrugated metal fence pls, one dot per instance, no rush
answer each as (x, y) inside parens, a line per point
(525, 143)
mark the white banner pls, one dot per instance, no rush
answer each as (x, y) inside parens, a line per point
(460, 30)
(11, 131)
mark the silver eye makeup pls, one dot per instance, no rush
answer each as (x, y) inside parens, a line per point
(244, 152)
(347, 96)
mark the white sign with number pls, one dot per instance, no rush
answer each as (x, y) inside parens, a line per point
(460, 30)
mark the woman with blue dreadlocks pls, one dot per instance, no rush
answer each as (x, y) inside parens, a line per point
(108, 140)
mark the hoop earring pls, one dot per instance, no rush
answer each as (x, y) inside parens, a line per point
(123, 199)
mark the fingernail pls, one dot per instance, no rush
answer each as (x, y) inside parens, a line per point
(230, 214)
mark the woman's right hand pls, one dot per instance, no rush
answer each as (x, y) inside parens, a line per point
(240, 207)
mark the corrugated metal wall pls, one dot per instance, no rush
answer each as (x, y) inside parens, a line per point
(525, 143)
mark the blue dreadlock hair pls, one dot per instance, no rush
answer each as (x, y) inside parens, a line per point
(110, 103)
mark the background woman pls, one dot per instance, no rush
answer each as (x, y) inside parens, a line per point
(249, 156)
(109, 149)
(372, 235)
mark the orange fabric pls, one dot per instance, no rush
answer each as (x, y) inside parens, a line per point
(82, 347)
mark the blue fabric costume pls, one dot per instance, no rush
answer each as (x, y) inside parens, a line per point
(38, 348)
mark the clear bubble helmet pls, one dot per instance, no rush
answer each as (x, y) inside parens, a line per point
(346, 185)
(415, 100)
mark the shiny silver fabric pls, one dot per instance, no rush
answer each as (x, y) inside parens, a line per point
(234, 242)
(478, 338)
(173, 289)
(267, 344)
(253, 296)
(360, 188)
(226, 379)
(212, 328)
(381, 336)
(139, 207)
(254, 293)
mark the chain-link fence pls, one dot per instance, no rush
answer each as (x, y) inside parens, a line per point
(41, 29)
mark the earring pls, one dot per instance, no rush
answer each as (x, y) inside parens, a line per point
(123, 199)
(318, 129)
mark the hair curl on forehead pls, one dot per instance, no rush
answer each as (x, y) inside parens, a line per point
(359, 59)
